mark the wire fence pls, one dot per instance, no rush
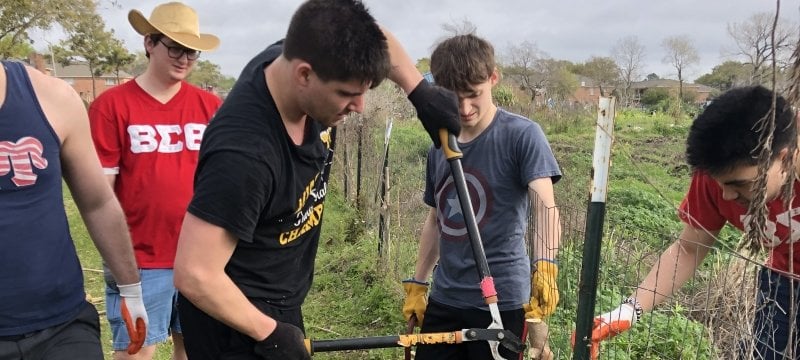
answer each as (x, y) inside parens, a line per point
(710, 317)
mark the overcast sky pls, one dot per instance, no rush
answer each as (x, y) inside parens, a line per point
(570, 29)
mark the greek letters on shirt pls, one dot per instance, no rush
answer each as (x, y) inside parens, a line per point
(19, 158)
(165, 138)
(786, 219)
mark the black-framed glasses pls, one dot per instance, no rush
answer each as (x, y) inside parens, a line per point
(176, 52)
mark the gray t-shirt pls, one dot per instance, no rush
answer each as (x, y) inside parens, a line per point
(498, 165)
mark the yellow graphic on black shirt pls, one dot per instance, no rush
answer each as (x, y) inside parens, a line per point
(325, 136)
(301, 202)
(308, 213)
(313, 220)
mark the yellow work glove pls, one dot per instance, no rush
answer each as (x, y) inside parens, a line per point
(416, 299)
(544, 290)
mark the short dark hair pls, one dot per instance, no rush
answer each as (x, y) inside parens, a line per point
(341, 41)
(154, 38)
(727, 133)
(462, 61)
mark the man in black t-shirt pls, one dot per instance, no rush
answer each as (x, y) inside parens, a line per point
(246, 252)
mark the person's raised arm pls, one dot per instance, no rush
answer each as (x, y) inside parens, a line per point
(437, 108)
(403, 73)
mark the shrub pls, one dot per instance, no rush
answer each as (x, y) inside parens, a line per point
(653, 96)
(503, 96)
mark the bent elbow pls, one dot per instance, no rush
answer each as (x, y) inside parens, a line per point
(186, 280)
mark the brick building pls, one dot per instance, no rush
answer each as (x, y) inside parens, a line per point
(78, 76)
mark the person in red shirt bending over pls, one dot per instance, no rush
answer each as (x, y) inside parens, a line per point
(720, 149)
(147, 133)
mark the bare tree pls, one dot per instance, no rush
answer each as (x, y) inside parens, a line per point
(454, 28)
(629, 54)
(523, 65)
(681, 54)
(753, 43)
(460, 27)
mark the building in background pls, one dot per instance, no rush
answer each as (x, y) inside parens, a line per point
(79, 76)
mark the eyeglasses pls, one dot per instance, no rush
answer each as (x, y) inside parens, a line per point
(176, 52)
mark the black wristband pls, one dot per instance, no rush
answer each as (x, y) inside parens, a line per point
(637, 308)
(415, 281)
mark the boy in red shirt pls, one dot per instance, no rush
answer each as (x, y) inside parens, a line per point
(147, 133)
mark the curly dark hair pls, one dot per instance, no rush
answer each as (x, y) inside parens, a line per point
(727, 134)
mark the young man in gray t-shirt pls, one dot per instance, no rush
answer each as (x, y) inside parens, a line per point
(507, 161)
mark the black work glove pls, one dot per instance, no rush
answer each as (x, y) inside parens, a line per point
(437, 108)
(286, 342)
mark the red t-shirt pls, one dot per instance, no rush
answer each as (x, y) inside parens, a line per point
(704, 207)
(152, 148)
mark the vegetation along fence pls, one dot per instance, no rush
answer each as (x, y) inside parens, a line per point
(708, 318)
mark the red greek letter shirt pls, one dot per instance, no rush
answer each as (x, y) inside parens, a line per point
(152, 148)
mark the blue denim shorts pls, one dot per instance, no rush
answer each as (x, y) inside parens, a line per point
(160, 297)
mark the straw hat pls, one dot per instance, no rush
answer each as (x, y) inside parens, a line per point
(178, 22)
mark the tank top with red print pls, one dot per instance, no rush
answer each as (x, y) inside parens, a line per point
(41, 284)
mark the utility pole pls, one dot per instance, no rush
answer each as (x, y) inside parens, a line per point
(53, 60)
(52, 57)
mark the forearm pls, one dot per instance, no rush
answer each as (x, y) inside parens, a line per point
(109, 232)
(403, 72)
(675, 266)
(547, 239)
(428, 252)
(203, 252)
(219, 297)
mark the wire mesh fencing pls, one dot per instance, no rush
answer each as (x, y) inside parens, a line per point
(712, 316)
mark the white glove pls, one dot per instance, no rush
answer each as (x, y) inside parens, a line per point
(134, 315)
(611, 324)
(622, 318)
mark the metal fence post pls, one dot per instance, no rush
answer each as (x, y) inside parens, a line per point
(587, 285)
